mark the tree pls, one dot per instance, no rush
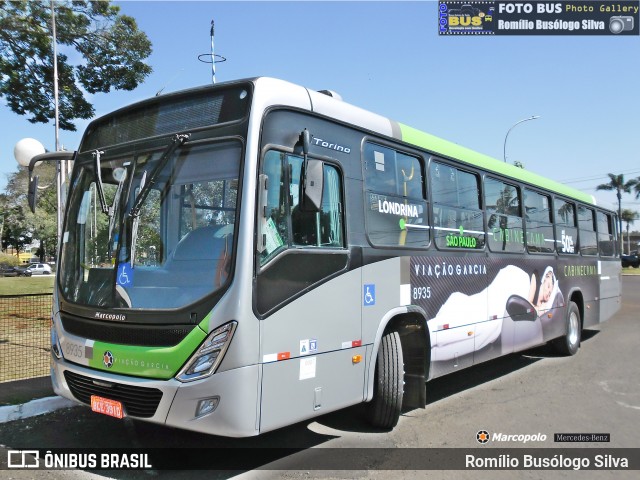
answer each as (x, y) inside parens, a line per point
(628, 216)
(19, 225)
(111, 48)
(617, 183)
(13, 235)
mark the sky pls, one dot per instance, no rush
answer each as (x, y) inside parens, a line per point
(387, 57)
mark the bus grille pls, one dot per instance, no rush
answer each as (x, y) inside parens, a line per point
(126, 334)
(137, 401)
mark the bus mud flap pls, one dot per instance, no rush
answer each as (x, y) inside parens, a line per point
(415, 392)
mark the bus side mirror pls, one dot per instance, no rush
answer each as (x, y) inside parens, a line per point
(32, 194)
(313, 186)
(312, 177)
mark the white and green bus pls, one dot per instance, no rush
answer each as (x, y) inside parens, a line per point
(240, 257)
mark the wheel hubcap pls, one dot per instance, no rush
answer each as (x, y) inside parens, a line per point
(574, 328)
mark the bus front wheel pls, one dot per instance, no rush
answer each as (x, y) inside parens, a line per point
(569, 343)
(384, 410)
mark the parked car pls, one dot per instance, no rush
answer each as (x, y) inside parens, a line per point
(40, 269)
(24, 271)
(9, 271)
(630, 260)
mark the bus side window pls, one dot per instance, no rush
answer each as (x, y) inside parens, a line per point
(458, 218)
(537, 210)
(606, 243)
(322, 228)
(566, 228)
(504, 221)
(287, 224)
(277, 225)
(587, 226)
(396, 209)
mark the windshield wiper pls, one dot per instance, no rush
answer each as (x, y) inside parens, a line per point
(176, 141)
(134, 224)
(145, 188)
(103, 201)
(112, 209)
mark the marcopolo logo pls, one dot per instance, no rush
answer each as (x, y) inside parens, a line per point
(484, 436)
(117, 317)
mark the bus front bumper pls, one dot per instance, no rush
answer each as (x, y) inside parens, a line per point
(229, 398)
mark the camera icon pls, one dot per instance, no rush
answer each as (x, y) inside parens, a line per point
(620, 24)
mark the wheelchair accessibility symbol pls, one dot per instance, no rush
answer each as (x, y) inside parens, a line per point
(125, 275)
(369, 295)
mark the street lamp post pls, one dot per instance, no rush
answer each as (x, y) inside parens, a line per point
(27, 149)
(504, 152)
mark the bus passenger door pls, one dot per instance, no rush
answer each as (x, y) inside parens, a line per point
(307, 298)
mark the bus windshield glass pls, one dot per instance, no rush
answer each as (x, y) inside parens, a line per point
(164, 249)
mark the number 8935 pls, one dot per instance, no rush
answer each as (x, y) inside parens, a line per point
(421, 293)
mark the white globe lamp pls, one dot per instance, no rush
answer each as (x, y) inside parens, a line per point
(26, 149)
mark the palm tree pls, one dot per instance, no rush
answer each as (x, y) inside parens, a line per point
(617, 183)
(629, 216)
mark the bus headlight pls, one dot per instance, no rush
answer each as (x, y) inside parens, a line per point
(204, 362)
(55, 342)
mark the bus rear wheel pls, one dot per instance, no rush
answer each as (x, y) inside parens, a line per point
(384, 410)
(569, 343)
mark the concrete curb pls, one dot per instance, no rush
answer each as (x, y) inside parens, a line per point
(33, 408)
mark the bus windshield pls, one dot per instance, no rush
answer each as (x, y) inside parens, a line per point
(150, 228)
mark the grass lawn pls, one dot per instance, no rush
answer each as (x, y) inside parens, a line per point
(26, 285)
(24, 327)
(631, 271)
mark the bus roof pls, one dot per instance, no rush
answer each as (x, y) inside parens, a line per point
(336, 108)
(450, 149)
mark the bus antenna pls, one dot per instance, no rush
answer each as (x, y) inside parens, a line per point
(212, 57)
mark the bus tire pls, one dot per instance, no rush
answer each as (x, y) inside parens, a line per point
(384, 410)
(569, 343)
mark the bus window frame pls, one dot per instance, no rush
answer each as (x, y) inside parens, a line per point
(550, 223)
(594, 227)
(289, 247)
(612, 222)
(520, 196)
(556, 225)
(423, 161)
(478, 174)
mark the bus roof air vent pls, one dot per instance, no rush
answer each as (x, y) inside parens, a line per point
(331, 93)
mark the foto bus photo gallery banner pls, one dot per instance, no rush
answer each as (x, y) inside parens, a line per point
(538, 18)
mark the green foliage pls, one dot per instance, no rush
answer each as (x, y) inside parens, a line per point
(6, 259)
(629, 216)
(617, 183)
(19, 225)
(111, 47)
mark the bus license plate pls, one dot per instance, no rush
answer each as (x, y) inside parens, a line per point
(113, 408)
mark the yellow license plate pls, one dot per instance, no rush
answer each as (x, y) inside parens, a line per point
(113, 408)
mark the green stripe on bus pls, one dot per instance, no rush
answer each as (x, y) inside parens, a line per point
(449, 149)
(148, 362)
